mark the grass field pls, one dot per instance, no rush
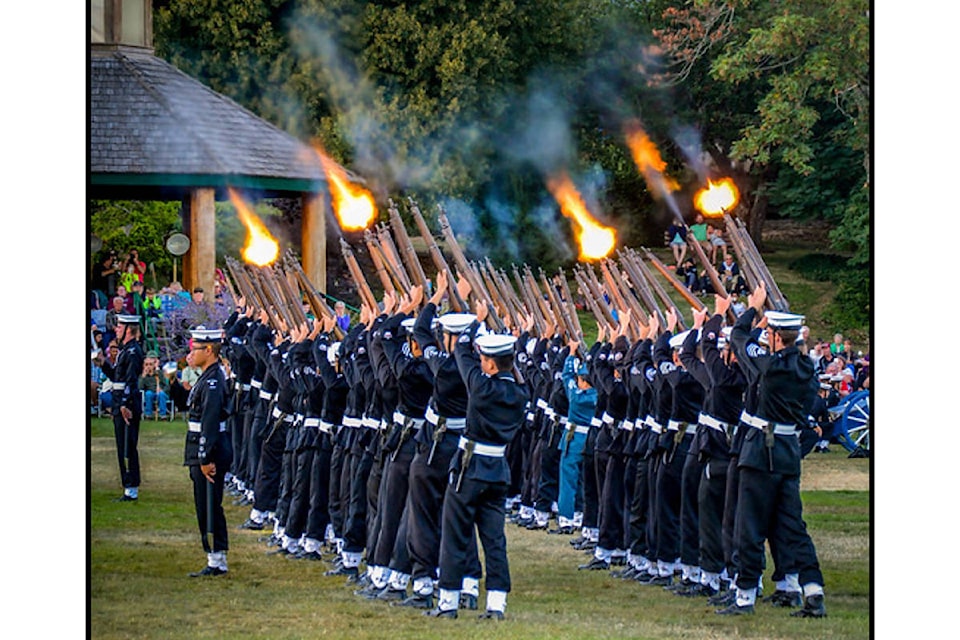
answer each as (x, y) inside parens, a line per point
(140, 554)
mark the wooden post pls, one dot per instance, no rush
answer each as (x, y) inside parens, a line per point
(314, 239)
(199, 263)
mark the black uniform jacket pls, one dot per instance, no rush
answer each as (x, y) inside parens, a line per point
(207, 405)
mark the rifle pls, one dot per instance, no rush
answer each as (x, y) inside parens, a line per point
(476, 286)
(392, 258)
(269, 287)
(320, 308)
(593, 289)
(457, 303)
(366, 295)
(373, 249)
(641, 285)
(672, 279)
(571, 307)
(591, 301)
(617, 295)
(533, 308)
(628, 295)
(407, 252)
(293, 300)
(561, 312)
(775, 297)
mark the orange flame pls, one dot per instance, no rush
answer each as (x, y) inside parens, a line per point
(352, 203)
(717, 197)
(647, 158)
(596, 240)
(261, 248)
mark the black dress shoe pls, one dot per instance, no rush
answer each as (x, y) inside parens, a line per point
(125, 498)
(368, 592)
(577, 541)
(781, 598)
(524, 522)
(724, 598)
(596, 564)
(535, 526)
(415, 602)
(305, 555)
(695, 591)
(208, 571)
(618, 561)
(658, 581)
(736, 610)
(468, 601)
(441, 613)
(491, 615)
(252, 525)
(812, 608)
(342, 571)
(390, 594)
(359, 580)
(561, 531)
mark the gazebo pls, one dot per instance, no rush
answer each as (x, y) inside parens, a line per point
(158, 134)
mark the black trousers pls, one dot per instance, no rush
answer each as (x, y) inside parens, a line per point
(640, 508)
(300, 495)
(668, 501)
(478, 505)
(208, 502)
(258, 431)
(355, 525)
(770, 507)
(374, 482)
(653, 471)
(267, 487)
(590, 503)
(318, 516)
(531, 480)
(127, 437)
(235, 423)
(611, 503)
(628, 481)
(334, 501)
(690, 510)
(287, 472)
(710, 497)
(548, 487)
(394, 487)
(428, 483)
(730, 520)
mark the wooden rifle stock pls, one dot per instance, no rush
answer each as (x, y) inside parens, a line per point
(320, 308)
(672, 279)
(366, 295)
(407, 252)
(457, 304)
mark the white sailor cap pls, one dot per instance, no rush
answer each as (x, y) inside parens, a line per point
(825, 376)
(408, 324)
(333, 352)
(764, 338)
(783, 320)
(676, 341)
(456, 322)
(202, 334)
(128, 319)
(724, 336)
(836, 378)
(495, 344)
(825, 386)
(170, 367)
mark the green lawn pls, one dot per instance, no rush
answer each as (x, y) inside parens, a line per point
(140, 555)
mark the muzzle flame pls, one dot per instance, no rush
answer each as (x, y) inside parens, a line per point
(647, 158)
(261, 248)
(596, 240)
(717, 197)
(352, 204)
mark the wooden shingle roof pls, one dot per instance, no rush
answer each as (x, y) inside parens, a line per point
(153, 128)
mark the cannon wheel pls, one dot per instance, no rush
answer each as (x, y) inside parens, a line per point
(854, 423)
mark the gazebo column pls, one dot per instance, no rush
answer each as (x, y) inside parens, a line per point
(314, 239)
(199, 223)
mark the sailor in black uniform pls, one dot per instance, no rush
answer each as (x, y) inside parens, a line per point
(479, 477)
(208, 452)
(127, 408)
(769, 461)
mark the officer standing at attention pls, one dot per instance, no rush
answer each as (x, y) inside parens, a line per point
(480, 475)
(769, 461)
(208, 451)
(127, 408)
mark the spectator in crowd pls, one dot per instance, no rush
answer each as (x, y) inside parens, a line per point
(678, 242)
(97, 378)
(189, 375)
(139, 266)
(717, 243)
(836, 347)
(699, 231)
(730, 275)
(687, 273)
(343, 318)
(116, 308)
(736, 304)
(197, 296)
(155, 387)
(105, 394)
(105, 279)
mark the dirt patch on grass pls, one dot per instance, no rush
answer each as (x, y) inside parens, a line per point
(834, 471)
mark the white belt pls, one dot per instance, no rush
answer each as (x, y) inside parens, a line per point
(595, 422)
(550, 413)
(298, 417)
(655, 426)
(542, 404)
(256, 384)
(401, 418)
(370, 423)
(480, 449)
(564, 421)
(195, 426)
(606, 418)
(384, 425)
(276, 412)
(627, 425)
(453, 424)
(530, 416)
(310, 423)
(326, 427)
(577, 428)
(709, 421)
(352, 422)
(266, 395)
(245, 386)
(779, 428)
(674, 425)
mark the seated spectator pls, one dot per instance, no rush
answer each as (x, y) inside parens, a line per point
(197, 295)
(189, 374)
(836, 347)
(678, 236)
(699, 231)
(736, 304)
(687, 274)
(116, 309)
(155, 387)
(105, 393)
(730, 275)
(97, 378)
(124, 294)
(717, 243)
(343, 319)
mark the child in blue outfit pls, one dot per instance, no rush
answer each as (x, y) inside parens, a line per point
(583, 403)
